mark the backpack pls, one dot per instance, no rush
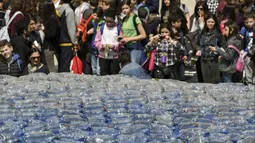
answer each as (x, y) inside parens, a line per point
(239, 65)
(82, 28)
(4, 35)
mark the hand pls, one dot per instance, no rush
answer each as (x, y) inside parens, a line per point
(212, 48)
(219, 57)
(38, 47)
(184, 58)
(198, 53)
(125, 40)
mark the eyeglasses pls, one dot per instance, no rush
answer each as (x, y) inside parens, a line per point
(109, 21)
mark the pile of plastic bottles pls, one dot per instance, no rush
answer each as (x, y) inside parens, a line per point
(67, 108)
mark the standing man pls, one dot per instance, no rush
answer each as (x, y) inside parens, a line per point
(67, 36)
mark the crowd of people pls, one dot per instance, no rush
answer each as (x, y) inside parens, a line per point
(142, 38)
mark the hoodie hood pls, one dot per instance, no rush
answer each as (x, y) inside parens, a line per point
(62, 8)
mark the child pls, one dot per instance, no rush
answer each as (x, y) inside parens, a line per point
(133, 32)
(97, 22)
(131, 69)
(247, 31)
(108, 45)
(167, 49)
(175, 21)
(10, 63)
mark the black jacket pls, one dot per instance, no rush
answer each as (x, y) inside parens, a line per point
(14, 68)
(52, 33)
(21, 46)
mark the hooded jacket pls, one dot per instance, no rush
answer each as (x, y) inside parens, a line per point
(67, 20)
(14, 68)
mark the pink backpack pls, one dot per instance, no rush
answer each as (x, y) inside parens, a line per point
(239, 66)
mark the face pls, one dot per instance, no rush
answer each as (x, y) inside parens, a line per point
(226, 31)
(35, 59)
(177, 24)
(109, 22)
(164, 32)
(167, 2)
(6, 52)
(200, 11)
(249, 22)
(95, 16)
(126, 9)
(105, 6)
(210, 23)
(31, 26)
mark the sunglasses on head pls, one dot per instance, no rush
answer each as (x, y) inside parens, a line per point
(200, 9)
(35, 57)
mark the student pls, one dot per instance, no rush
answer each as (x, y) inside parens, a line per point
(133, 32)
(228, 54)
(20, 42)
(10, 63)
(79, 11)
(167, 50)
(35, 65)
(67, 36)
(175, 21)
(131, 69)
(247, 31)
(52, 31)
(210, 38)
(97, 22)
(108, 45)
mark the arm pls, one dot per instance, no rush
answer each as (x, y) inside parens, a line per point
(188, 20)
(70, 22)
(118, 45)
(98, 43)
(228, 54)
(139, 37)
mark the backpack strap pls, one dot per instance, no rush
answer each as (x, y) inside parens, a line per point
(12, 18)
(235, 48)
(135, 24)
(102, 28)
(119, 29)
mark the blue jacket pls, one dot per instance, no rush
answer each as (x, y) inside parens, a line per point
(133, 69)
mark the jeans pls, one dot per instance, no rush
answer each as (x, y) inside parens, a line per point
(95, 64)
(226, 77)
(136, 56)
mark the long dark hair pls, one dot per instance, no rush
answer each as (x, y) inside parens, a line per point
(204, 5)
(48, 11)
(126, 2)
(216, 26)
(35, 50)
(233, 27)
(229, 12)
